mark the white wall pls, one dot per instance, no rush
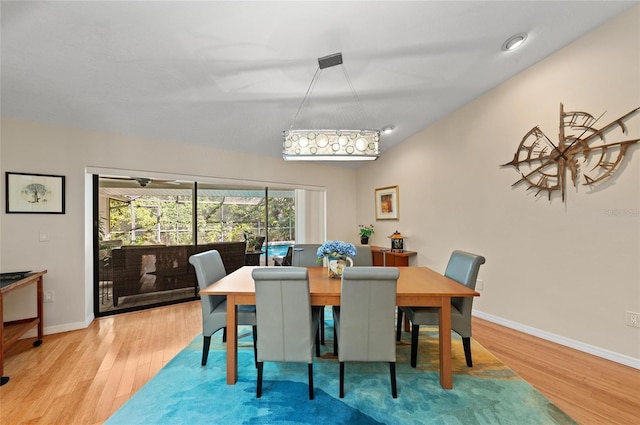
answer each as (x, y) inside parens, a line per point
(47, 149)
(567, 271)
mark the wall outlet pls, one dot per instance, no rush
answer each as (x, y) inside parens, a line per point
(48, 296)
(479, 285)
(633, 319)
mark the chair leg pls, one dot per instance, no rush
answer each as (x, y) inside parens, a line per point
(310, 381)
(335, 340)
(255, 346)
(415, 330)
(341, 379)
(205, 349)
(392, 370)
(317, 344)
(466, 342)
(259, 383)
(399, 325)
(322, 328)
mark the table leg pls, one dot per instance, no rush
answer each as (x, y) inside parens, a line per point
(3, 379)
(232, 340)
(40, 308)
(446, 380)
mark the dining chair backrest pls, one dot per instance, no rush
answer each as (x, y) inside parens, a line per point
(286, 261)
(284, 318)
(363, 257)
(259, 242)
(209, 268)
(463, 267)
(305, 255)
(367, 314)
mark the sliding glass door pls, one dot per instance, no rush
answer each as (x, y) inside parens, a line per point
(150, 221)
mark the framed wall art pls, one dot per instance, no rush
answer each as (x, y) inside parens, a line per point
(387, 202)
(34, 193)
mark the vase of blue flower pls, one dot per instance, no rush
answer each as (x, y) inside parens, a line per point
(335, 265)
(338, 254)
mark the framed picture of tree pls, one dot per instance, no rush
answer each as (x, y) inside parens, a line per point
(387, 203)
(34, 193)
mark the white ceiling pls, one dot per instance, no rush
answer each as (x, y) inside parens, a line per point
(232, 74)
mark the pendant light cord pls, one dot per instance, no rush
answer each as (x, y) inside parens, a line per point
(312, 85)
(306, 97)
(355, 96)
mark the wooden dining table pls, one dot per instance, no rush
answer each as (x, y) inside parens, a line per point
(417, 286)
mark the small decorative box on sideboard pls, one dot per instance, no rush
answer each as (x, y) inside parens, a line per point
(392, 258)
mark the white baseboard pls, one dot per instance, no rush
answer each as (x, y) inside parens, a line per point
(567, 342)
(48, 330)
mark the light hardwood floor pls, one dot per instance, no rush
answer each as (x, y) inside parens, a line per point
(590, 389)
(82, 377)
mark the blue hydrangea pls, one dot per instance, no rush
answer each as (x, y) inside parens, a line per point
(336, 248)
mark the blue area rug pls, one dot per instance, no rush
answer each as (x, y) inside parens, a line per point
(184, 392)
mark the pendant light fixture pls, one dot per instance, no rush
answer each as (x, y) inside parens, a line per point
(343, 144)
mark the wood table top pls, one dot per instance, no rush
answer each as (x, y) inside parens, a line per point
(413, 281)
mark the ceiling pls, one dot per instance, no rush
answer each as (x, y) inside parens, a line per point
(232, 74)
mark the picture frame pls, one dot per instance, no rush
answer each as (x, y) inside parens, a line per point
(34, 193)
(387, 203)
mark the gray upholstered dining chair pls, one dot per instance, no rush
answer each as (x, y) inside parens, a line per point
(287, 324)
(364, 321)
(463, 267)
(363, 258)
(210, 268)
(306, 255)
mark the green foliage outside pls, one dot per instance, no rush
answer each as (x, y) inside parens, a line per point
(168, 219)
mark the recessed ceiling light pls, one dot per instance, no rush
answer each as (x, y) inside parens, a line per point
(514, 42)
(388, 129)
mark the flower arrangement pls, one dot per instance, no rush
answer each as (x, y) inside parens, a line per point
(366, 231)
(336, 249)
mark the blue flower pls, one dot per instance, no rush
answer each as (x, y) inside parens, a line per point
(336, 248)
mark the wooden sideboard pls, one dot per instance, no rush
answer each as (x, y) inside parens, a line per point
(396, 258)
(10, 332)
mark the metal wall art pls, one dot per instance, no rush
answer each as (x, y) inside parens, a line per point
(582, 149)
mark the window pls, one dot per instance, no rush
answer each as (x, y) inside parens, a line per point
(146, 213)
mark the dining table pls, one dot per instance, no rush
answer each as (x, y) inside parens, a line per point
(416, 286)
